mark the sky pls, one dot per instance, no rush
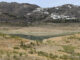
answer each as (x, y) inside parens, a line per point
(46, 3)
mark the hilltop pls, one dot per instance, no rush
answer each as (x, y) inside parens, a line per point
(24, 14)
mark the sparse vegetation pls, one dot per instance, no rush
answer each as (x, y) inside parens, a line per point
(29, 32)
(16, 48)
(63, 47)
(68, 49)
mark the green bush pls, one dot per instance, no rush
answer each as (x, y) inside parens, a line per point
(40, 53)
(53, 56)
(16, 48)
(68, 49)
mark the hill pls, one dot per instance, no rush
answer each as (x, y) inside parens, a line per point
(24, 14)
(57, 48)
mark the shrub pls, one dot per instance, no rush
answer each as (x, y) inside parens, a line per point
(68, 49)
(52, 56)
(65, 57)
(40, 53)
(16, 48)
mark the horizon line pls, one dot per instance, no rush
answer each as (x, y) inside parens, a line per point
(37, 4)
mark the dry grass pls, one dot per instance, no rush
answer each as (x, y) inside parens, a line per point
(50, 29)
(57, 48)
(52, 48)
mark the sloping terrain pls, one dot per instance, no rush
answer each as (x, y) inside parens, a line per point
(15, 48)
(24, 14)
(29, 32)
(57, 48)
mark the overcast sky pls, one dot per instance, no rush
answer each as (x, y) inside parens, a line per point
(47, 3)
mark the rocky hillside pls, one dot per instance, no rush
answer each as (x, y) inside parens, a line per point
(26, 14)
